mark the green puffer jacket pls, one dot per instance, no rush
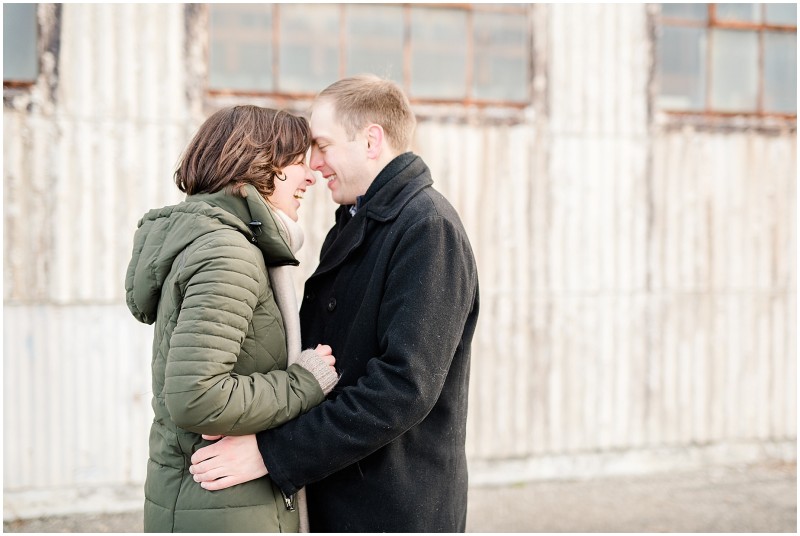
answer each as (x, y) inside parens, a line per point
(219, 355)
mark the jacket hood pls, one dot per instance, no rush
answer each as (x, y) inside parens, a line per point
(164, 233)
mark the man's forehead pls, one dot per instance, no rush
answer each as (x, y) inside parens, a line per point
(324, 125)
(323, 110)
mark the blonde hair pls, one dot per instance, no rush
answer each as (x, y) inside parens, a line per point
(364, 99)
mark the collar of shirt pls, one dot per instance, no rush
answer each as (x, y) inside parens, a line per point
(354, 208)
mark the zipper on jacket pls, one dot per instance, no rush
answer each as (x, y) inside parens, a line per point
(289, 501)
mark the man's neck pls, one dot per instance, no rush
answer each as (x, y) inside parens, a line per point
(378, 166)
(381, 162)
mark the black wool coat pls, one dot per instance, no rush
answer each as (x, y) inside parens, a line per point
(396, 297)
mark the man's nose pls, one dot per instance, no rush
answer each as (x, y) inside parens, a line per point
(315, 162)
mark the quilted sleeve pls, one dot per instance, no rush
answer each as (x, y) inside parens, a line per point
(201, 392)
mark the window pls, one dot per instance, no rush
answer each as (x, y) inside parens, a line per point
(471, 53)
(728, 58)
(20, 59)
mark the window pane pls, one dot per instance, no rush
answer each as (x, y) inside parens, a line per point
(20, 61)
(734, 71)
(375, 40)
(780, 72)
(240, 47)
(696, 12)
(785, 14)
(682, 68)
(501, 56)
(438, 53)
(309, 51)
(739, 12)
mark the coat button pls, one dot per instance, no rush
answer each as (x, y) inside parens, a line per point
(332, 304)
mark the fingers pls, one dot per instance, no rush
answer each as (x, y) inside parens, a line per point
(205, 453)
(203, 475)
(222, 483)
(212, 437)
(325, 352)
(203, 468)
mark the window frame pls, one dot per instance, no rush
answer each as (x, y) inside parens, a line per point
(712, 23)
(469, 100)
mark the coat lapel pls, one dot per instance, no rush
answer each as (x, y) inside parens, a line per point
(391, 190)
(350, 235)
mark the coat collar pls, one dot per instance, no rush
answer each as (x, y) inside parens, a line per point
(395, 186)
(392, 189)
(261, 223)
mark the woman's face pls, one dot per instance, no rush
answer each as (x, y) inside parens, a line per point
(289, 192)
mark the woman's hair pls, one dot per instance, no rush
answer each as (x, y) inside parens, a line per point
(365, 99)
(242, 145)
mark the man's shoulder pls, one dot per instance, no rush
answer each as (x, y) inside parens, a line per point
(430, 202)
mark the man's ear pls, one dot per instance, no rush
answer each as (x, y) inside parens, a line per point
(375, 140)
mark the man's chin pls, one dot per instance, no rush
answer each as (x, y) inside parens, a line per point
(341, 200)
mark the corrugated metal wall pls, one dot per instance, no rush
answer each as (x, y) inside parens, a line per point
(638, 280)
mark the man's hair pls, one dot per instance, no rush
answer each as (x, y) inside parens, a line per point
(364, 99)
(242, 145)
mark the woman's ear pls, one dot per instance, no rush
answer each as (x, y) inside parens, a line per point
(375, 140)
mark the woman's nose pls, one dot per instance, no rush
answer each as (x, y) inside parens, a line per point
(311, 179)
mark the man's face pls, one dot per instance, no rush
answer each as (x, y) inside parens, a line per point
(340, 160)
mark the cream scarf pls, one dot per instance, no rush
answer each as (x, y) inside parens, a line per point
(283, 289)
(283, 286)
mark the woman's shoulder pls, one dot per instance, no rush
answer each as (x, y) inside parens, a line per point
(227, 247)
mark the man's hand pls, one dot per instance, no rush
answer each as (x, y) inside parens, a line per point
(230, 461)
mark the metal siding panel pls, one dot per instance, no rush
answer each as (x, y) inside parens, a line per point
(73, 388)
(120, 138)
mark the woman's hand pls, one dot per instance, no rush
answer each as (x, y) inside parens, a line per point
(326, 353)
(320, 362)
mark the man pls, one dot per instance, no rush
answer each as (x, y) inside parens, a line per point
(396, 297)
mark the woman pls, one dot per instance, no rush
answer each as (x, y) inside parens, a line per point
(220, 363)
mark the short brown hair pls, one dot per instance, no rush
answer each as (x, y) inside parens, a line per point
(364, 99)
(242, 145)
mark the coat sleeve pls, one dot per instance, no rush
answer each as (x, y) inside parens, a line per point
(201, 391)
(429, 293)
